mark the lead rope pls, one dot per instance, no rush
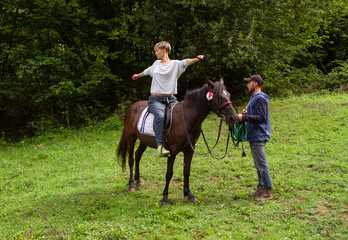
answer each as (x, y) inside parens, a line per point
(239, 134)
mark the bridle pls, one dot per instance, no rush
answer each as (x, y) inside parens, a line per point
(221, 107)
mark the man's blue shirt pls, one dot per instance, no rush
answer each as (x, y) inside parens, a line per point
(258, 118)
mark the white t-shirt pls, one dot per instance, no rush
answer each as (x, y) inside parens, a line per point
(165, 76)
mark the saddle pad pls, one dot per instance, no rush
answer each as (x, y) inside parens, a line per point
(145, 123)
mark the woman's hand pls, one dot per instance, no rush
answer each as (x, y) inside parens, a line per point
(194, 60)
(135, 76)
(200, 57)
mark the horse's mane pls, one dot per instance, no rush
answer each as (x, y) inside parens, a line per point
(198, 96)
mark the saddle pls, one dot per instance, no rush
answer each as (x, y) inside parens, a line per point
(145, 122)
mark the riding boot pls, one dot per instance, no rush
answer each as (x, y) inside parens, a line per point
(266, 195)
(258, 192)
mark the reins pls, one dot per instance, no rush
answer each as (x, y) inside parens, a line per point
(238, 134)
(209, 150)
(218, 137)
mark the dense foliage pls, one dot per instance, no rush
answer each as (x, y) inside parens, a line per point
(70, 62)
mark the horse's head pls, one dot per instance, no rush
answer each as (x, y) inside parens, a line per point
(221, 101)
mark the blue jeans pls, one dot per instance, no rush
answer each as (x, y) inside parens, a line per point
(259, 156)
(157, 106)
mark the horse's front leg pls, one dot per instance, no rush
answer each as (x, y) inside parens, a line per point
(187, 169)
(169, 175)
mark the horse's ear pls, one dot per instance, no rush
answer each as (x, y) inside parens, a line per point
(222, 80)
(210, 84)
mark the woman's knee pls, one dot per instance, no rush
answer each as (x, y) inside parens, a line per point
(159, 114)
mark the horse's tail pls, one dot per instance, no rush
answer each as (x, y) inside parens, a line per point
(122, 151)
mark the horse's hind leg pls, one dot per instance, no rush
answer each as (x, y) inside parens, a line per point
(130, 150)
(138, 153)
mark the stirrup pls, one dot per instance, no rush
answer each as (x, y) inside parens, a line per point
(162, 152)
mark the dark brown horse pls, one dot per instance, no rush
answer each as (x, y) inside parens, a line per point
(196, 107)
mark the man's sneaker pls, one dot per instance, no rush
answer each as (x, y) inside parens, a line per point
(162, 152)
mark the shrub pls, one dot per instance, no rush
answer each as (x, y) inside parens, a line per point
(337, 78)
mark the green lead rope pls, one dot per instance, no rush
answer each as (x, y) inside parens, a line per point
(239, 134)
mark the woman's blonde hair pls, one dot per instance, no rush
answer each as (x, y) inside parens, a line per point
(163, 45)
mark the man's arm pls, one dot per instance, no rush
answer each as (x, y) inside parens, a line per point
(261, 112)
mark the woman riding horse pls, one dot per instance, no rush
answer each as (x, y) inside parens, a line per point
(165, 74)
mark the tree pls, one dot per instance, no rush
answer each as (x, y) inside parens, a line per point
(70, 62)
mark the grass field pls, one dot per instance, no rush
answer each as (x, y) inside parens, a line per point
(69, 185)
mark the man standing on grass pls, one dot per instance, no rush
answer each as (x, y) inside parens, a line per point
(258, 133)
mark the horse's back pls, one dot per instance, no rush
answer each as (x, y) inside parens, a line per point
(137, 106)
(132, 116)
(134, 111)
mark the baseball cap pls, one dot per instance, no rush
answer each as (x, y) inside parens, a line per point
(255, 78)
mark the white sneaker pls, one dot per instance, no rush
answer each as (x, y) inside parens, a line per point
(162, 152)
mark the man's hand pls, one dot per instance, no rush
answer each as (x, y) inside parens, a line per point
(240, 116)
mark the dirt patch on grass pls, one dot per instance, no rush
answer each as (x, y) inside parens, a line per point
(322, 210)
(345, 216)
(212, 179)
(151, 186)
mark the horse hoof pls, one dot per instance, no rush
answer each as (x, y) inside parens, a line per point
(140, 184)
(131, 190)
(164, 203)
(193, 200)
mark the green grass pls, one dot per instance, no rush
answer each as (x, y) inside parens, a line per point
(70, 186)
